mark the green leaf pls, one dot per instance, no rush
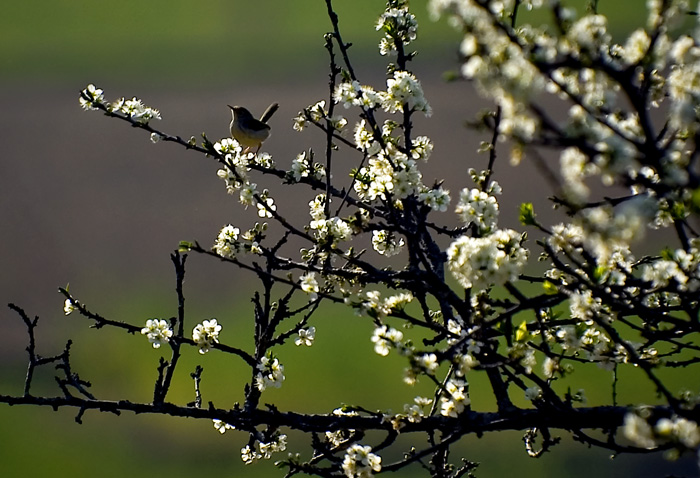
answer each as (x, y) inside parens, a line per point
(678, 210)
(522, 334)
(484, 147)
(451, 75)
(695, 201)
(206, 144)
(667, 254)
(599, 273)
(527, 214)
(185, 246)
(550, 288)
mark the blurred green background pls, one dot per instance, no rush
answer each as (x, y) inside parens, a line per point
(87, 201)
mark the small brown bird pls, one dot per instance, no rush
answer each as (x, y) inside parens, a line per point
(248, 131)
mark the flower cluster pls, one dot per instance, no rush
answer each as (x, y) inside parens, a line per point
(270, 373)
(479, 208)
(351, 93)
(677, 430)
(266, 205)
(455, 398)
(575, 167)
(92, 98)
(206, 334)
(399, 27)
(360, 462)
(314, 114)
(480, 263)
(680, 268)
(221, 426)
(404, 93)
(499, 67)
(231, 241)
(370, 302)
(135, 109)
(415, 411)
(386, 243)
(304, 167)
(264, 450)
(157, 331)
(238, 163)
(227, 244)
(332, 231)
(390, 173)
(385, 338)
(437, 199)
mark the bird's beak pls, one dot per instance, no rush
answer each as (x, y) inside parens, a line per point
(230, 106)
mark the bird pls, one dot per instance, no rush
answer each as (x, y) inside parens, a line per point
(248, 131)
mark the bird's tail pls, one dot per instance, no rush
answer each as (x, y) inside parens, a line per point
(269, 112)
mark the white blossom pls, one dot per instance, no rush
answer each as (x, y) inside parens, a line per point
(427, 362)
(404, 89)
(270, 374)
(397, 23)
(309, 284)
(332, 231)
(306, 337)
(68, 307)
(353, 94)
(415, 412)
(302, 167)
(386, 243)
(157, 331)
(636, 429)
(478, 207)
(314, 113)
(533, 393)
(222, 426)
(479, 263)
(436, 199)
(266, 207)
(91, 96)
(264, 450)
(206, 334)
(454, 399)
(227, 244)
(135, 109)
(385, 338)
(360, 462)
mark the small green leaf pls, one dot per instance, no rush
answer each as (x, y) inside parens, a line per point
(527, 214)
(599, 273)
(484, 147)
(695, 201)
(522, 334)
(185, 246)
(550, 288)
(667, 254)
(678, 210)
(206, 144)
(451, 75)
